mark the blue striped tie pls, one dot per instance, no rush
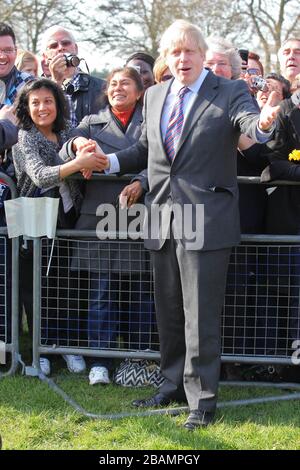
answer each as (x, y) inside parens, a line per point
(175, 124)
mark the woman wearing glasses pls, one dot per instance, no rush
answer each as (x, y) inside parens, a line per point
(11, 79)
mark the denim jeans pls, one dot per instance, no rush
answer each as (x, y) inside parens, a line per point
(121, 305)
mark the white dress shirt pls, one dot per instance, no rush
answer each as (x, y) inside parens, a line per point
(188, 100)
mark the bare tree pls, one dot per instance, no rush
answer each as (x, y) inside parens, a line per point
(124, 26)
(7, 9)
(30, 18)
(273, 22)
(222, 18)
(128, 26)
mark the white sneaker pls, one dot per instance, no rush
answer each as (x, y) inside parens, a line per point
(98, 375)
(75, 364)
(45, 365)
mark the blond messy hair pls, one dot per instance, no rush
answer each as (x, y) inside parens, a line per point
(177, 33)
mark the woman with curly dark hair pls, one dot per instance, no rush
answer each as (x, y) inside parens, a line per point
(22, 105)
(42, 114)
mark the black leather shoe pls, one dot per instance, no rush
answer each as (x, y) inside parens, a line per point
(156, 400)
(199, 419)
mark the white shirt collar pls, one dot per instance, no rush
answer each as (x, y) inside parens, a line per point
(194, 87)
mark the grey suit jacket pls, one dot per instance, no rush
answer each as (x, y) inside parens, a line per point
(204, 168)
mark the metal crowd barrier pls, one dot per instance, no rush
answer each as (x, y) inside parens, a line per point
(260, 320)
(9, 297)
(68, 291)
(261, 316)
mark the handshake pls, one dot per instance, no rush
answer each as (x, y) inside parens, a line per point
(89, 156)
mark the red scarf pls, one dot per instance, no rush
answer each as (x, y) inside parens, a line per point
(123, 116)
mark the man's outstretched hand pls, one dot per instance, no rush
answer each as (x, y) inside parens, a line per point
(269, 112)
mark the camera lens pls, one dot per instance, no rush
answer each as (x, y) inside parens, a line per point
(72, 60)
(75, 61)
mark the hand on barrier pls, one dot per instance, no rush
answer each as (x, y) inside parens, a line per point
(130, 194)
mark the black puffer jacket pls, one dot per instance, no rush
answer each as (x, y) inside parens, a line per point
(87, 99)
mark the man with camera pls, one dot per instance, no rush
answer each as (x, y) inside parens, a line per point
(59, 54)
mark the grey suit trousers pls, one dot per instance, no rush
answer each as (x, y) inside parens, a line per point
(189, 294)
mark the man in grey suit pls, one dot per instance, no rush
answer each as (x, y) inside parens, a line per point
(190, 134)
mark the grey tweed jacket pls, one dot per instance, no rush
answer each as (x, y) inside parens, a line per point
(37, 163)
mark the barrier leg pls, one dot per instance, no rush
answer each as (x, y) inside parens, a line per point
(13, 348)
(35, 369)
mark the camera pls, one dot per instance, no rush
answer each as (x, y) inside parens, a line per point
(244, 53)
(259, 83)
(72, 60)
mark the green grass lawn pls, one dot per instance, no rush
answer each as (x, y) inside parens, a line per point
(32, 416)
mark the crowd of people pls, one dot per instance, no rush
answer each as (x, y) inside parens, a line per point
(187, 123)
